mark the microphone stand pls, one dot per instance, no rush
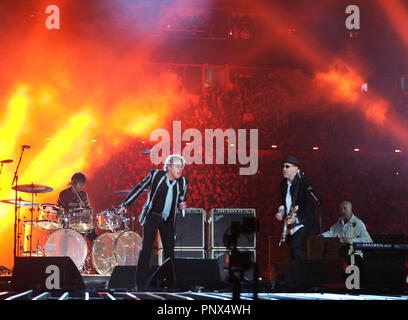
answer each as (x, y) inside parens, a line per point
(319, 205)
(16, 216)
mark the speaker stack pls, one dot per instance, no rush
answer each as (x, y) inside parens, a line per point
(219, 223)
(200, 249)
(190, 239)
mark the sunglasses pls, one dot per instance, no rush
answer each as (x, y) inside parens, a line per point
(286, 166)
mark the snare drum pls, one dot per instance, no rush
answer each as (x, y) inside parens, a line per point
(81, 219)
(108, 220)
(67, 242)
(49, 217)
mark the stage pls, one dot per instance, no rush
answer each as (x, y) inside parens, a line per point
(223, 152)
(96, 288)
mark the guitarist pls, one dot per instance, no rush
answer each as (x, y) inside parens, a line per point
(297, 207)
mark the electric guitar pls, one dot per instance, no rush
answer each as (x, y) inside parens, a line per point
(285, 224)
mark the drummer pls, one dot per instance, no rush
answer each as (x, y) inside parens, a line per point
(75, 197)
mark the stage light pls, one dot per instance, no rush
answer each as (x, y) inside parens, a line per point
(397, 150)
(356, 149)
(364, 87)
(315, 148)
(274, 146)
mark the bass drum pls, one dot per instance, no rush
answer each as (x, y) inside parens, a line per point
(67, 242)
(112, 249)
(127, 248)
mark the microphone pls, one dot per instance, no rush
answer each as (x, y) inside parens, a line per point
(25, 146)
(298, 173)
(182, 199)
(314, 196)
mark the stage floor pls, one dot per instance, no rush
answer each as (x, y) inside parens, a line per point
(189, 295)
(96, 288)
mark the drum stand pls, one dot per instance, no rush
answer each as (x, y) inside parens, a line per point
(32, 223)
(18, 236)
(86, 268)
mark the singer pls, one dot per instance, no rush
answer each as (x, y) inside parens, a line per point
(295, 193)
(167, 193)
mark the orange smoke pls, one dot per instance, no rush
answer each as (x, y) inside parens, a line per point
(342, 83)
(75, 102)
(398, 16)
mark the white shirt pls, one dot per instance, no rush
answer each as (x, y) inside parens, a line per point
(288, 201)
(342, 230)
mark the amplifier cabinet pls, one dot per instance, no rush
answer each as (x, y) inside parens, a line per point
(222, 257)
(186, 253)
(220, 221)
(190, 229)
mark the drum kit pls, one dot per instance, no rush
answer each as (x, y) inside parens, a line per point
(60, 232)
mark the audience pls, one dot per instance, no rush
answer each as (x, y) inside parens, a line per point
(372, 181)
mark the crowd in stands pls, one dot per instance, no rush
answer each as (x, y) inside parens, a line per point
(184, 21)
(242, 26)
(375, 182)
(239, 25)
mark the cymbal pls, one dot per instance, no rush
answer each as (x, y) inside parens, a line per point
(49, 205)
(21, 202)
(128, 191)
(33, 188)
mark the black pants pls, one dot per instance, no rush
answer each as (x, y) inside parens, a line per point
(166, 231)
(297, 244)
